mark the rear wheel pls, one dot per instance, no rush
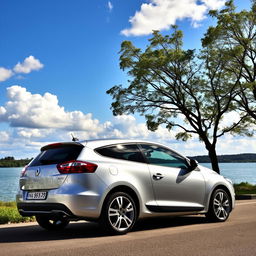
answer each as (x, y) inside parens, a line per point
(119, 213)
(52, 223)
(220, 206)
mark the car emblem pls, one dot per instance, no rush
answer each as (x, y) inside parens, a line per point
(38, 172)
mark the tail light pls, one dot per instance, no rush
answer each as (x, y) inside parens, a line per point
(76, 167)
(23, 171)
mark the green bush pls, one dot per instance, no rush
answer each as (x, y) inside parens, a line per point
(10, 214)
(245, 188)
(8, 204)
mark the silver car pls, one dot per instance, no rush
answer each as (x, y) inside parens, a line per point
(116, 182)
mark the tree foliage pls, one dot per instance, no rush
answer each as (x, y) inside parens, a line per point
(180, 89)
(234, 37)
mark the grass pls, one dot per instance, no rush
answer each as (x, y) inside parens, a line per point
(10, 214)
(245, 188)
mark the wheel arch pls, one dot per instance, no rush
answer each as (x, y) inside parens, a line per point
(125, 189)
(220, 186)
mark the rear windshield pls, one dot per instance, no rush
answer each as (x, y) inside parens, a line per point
(57, 155)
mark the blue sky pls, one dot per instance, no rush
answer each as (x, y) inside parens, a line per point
(58, 58)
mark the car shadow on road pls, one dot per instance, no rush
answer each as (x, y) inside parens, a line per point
(34, 233)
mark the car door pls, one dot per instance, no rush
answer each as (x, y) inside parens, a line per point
(128, 167)
(176, 188)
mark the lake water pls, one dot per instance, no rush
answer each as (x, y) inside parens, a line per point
(9, 180)
(237, 172)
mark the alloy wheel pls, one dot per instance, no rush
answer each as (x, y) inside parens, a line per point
(121, 213)
(221, 205)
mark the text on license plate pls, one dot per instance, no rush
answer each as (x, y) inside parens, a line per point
(36, 195)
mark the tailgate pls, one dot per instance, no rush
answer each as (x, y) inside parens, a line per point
(42, 172)
(42, 177)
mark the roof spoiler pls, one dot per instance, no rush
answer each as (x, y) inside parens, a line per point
(61, 145)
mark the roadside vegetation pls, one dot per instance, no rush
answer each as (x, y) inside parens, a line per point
(10, 161)
(10, 214)
(245, 188)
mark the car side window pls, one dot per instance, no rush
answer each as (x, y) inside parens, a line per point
(162, 156)
(128, 152)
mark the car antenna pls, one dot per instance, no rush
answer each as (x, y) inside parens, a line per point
(74, 138)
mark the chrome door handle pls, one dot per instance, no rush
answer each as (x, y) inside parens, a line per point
(157, 176)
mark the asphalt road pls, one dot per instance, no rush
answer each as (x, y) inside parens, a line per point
(190, 235)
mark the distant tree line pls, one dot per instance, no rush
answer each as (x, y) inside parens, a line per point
(10, 161)
(240, 158)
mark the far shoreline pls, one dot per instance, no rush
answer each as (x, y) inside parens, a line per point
(11, 162)
(232, 158)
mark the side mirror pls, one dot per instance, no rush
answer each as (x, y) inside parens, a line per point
(193, 164)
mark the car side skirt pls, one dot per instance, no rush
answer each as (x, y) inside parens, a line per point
(154, 208)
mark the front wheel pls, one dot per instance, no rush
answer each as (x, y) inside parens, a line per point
(52, 223)
(119, 213)
(220, 206)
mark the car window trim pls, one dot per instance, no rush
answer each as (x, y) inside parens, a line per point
(186, 160)
(125, 144)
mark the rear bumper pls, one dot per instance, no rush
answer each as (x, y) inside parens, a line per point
(32, 209)
(84, 205)
(79, 196)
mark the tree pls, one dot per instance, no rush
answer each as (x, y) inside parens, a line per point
(178, 88)
(234, 37)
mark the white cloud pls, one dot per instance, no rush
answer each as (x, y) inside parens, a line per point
(33, 133)
(214, 4)
(5, 74)
(110, 6)
(126, 126)
(4, 136)
(229, 119)
(39, 119)
(161, 14)
(37, 112)
(236, 145)
(2, 111)
(29, 64)
(25, 109)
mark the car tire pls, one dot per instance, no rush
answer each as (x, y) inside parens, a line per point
(119, 213)
(220, 206)
(52, 223)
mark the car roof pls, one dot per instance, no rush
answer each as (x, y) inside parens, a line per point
(94, 143)
(97, 143)
(104, 142)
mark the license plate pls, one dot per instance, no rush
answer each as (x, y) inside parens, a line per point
(36, 195)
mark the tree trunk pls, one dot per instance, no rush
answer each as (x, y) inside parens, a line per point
(254, 91)
(214, 160)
